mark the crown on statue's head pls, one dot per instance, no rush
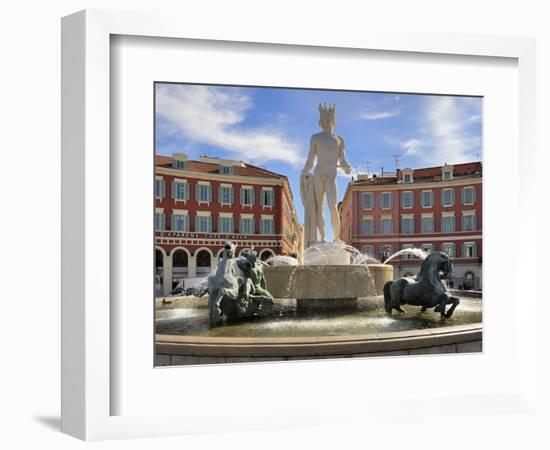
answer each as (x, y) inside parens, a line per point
(328, 112)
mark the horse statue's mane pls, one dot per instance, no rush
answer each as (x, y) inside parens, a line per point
(429, 269)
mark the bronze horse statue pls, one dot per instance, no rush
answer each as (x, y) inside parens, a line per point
(425, 289)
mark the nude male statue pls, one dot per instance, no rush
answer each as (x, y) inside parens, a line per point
(328, 148)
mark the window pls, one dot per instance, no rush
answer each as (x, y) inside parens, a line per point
(468, 222)
(180, 190)
(407, 199)
(267, 226)
(367, 226)
(428, 248)
(267, 197)
(226, 195)
(159, 221)
(159, 188)
(247, 196)
(447, 224)
(407, 178)
(226, 170)
(368, 250)
(447, 197)
(247, 225)
(225, 225)
(427, 199)
(469, 250)
(386, 226)
(468, 195)
(203, 193)
(180, 222)
(385, 200)
(407, 225)
(203, 224)
(427, 225)
(447, 175)
(449, 249)
(367, 201)
(407, 255)
(385, 252)
(179, 164)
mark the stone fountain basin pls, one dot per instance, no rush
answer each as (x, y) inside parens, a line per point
(314, 282)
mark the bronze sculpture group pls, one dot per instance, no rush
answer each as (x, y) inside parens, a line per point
(237, 290)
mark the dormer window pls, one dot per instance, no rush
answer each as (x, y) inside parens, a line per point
(447, 172)
(179, 164)
(407, 176)
(179, 161)
(226, 170)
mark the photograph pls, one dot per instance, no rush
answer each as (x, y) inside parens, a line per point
(302, 223)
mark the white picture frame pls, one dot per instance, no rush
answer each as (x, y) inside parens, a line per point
(87, 326)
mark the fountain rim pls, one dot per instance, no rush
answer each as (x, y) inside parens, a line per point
(317, 346)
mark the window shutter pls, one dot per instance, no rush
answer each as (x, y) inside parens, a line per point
(463, 196)
(209, 190)
(474, 194)
(242, 200)
(442, 193)
(173, 190)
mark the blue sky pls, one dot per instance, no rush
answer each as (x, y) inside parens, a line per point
(271, 127)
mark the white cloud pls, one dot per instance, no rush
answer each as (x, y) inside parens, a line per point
(445, 133)
(378, 115)
(215, 116)
(411, 146)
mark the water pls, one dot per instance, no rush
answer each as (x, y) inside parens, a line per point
(191, 319)
(334, 253)
(418, 252)
(282, 260)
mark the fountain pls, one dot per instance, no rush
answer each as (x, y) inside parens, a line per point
(332, 275)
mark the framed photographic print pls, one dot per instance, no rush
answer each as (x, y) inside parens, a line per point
(265, 222)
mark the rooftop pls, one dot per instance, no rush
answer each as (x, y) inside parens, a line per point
(465, 170)
(212, 165)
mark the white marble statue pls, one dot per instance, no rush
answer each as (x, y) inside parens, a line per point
(328, 149)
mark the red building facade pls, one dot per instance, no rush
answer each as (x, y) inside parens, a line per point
(436, 209)
(200, 205)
